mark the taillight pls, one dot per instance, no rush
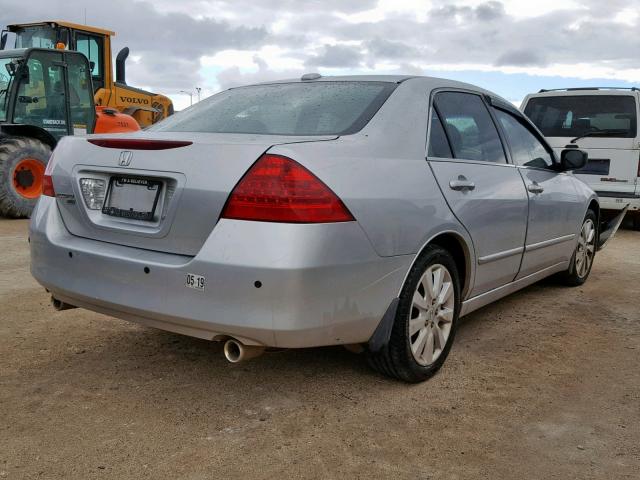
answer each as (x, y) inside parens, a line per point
(47, 181)
(278, 189)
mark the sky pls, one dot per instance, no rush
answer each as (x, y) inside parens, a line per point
(512, 47)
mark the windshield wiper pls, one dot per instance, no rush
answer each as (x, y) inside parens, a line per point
(595, 133)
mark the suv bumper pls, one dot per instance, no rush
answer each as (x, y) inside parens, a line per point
(617, 201)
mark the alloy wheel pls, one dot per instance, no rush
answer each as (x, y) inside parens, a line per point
(431, 314)
(586, 248)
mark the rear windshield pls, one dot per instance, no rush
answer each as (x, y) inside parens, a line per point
(571, 116)
(319, 108)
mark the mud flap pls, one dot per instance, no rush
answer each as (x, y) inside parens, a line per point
(380, 337)
(609, 229)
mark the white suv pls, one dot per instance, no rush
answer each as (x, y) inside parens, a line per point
(603, 122)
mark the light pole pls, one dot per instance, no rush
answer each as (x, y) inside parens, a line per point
(190, 96)
(198, 89)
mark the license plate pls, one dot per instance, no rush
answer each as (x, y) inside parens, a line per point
(134, 198)
(197, 282)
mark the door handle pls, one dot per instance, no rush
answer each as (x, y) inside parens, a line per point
(535, 188)
(461, 184)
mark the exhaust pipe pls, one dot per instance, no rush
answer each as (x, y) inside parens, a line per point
(236, 352)
(59, 305)
(121, 58)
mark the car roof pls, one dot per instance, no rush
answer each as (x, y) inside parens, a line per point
(337, 78)
(430, 83)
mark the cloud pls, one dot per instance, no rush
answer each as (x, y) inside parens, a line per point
(381, 48)
(336, 56)
(490, 11)
(217, 43)
(522, 57)
(234, 76)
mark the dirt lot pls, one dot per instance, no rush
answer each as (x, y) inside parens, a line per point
(544, 384)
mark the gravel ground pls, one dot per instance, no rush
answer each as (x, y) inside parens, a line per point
(543, 384)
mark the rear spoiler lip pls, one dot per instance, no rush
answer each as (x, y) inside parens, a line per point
(610, 229)
(138, 143)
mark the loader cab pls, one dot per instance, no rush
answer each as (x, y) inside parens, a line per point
(50, 90)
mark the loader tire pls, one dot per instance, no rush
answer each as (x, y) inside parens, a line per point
(22, 164)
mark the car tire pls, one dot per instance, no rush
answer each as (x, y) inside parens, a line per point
(22, 164)
(425, 320)
(585, 251)
(635, 221)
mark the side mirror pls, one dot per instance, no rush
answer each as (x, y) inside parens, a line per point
(3, 40)
(573, 159)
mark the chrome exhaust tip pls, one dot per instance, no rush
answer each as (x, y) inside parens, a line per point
(59, 305)
(235, 351)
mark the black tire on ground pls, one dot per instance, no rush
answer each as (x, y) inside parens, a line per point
(635, 221)
(571, 277)
(12, 151)
(396, 359)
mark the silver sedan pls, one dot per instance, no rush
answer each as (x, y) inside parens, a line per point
(371, 212)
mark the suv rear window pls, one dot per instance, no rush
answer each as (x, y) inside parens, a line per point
(574, 115)
(319, 108)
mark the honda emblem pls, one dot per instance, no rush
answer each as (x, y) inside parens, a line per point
(125, 159)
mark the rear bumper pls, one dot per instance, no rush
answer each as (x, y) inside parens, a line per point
(617, 201)
(321, 284)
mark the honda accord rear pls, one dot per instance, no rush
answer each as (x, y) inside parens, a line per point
(235, 219)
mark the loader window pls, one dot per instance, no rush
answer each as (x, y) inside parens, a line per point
(80, 94)
(39, 36)
(91, 47)
(5, 86)
(42, 99)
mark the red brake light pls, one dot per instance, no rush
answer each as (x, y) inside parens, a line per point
(138, 143)
(47, 181)
(278, 189)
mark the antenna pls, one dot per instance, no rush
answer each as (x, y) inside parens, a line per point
(85, 15)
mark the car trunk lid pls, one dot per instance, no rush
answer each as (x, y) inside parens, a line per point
(158, 197)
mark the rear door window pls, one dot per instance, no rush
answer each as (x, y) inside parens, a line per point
(469, 127)
(575, 115)
(438, 143)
